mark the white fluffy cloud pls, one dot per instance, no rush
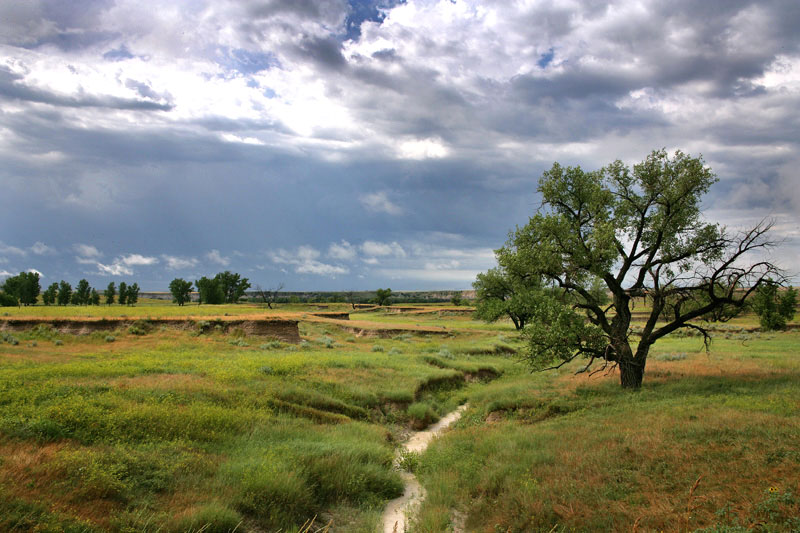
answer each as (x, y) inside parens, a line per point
(40, 248)
(137, 260)
(304, 260)
(343, 251)
(114, 269)
(8, 249)
(179, 263)
(381, 249)
(215, 257)
(87, 251)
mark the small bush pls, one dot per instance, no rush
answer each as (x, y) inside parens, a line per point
(140, 327)
(445, 353)
(272, 345)
(395, 351)
(239, 342)
(377, 348)
(110, 338)
(328, 342)
(408, 461)
(58, 342)
(212, 518)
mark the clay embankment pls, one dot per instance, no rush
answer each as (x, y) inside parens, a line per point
(282, 329)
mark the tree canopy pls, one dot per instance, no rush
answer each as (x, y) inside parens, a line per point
(24, 287)
(773, 308)
(181, 290)
(501, 292)
(383, 296)
(641, 233)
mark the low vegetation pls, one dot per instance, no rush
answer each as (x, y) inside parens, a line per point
(144, 429)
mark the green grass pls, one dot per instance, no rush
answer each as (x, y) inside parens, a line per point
(166, 431)
(551, 452)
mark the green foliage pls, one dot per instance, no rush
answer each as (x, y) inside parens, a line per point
(232, 286)
(50, 294)
(180, 289)
(456, 299)
(383, 296)
(507, 292)
(82, 294)
(24, 287)
(94, 298)
(8, 300)
(123, 293)
(421, 415)
(640, 231)
(210, 291)
(110, 293)
(64, 293)
(213, 517)
(773, 308)
(132, 293)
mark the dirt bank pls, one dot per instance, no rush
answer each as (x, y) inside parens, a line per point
(283, 329)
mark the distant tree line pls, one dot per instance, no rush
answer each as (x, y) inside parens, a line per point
(25, 288)
(225, 287)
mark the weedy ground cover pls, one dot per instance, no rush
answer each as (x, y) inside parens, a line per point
(556, 452)
(187, 431)
(165, 430)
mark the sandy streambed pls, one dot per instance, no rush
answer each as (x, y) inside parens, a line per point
(397, 514)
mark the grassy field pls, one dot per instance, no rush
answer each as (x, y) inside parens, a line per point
(179, 431)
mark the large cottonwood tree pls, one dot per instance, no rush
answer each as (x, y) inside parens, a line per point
(640, 232)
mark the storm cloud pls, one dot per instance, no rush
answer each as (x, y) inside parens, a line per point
(355, 144)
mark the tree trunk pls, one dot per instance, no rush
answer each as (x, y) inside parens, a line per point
(631, 368)
(631, 373)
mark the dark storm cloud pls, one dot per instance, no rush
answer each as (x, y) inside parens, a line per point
(12, 89)
(293, 128)
(325, 52)
(309, 9)
(70, 41)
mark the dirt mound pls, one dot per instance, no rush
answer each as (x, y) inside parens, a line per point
(283, 329)
(332, 314)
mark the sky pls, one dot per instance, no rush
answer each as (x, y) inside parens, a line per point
(351, 145)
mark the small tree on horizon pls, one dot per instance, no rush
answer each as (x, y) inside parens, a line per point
(181, 290)
(50, 294)
(83, 293)
(500, 293)
(123, 293)
(133, 293)
(269, 296)
(383, 296)
(209, 291)
(233, 286)
(109, 293)
(774, 310)
(64, 293)
(24, 287)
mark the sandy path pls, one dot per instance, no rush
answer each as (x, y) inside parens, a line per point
(396, 515)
